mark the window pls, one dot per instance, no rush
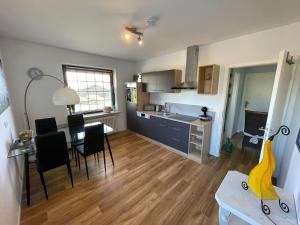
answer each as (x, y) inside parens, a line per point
(93, 85)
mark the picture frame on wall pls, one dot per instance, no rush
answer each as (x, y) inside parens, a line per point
(4, 97)
(298, 141)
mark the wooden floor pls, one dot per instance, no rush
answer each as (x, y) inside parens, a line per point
(148, 185)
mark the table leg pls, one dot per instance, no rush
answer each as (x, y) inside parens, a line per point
(27, 178)
(223, 216)
(108, 145)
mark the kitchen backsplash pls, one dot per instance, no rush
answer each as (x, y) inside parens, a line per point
(190, 110)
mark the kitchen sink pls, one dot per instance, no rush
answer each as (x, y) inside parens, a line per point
(165, 114)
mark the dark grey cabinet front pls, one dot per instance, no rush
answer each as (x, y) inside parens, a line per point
(160, 130)
(131, 116)
(145, 127)
(178, 135)
(168, 132)
(171, 133)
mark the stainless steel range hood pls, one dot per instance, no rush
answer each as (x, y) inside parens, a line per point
(191, 69)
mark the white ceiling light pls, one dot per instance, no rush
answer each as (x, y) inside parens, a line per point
(140, 41)
(127, 36)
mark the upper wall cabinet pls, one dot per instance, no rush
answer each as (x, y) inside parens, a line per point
(208, 79)
(161, 81)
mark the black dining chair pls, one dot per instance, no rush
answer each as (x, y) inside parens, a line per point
(76, 124)
(93, 143)
(75, 121)
(52, 152)
(44, 126)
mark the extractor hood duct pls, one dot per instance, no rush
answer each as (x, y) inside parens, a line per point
(192, 55)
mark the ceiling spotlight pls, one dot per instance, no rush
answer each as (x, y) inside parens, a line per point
(140, 41)
(134, 30)
(127, 36)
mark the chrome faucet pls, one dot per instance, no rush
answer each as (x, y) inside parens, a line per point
(166, 108)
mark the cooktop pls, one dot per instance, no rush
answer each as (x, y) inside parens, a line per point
(184, 118)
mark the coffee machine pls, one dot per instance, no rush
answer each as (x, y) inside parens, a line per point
(204, 116)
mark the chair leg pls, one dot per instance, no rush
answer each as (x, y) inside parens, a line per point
(95, 156)
(44, 185)
(109, 148)
(98, 157)
(104, 160)
(111, 157)
(86, 167)
(75, 155)
(70, 173)
(78, 158)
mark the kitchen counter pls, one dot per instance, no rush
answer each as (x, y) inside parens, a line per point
(196, 122)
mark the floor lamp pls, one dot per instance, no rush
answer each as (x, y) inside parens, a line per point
(62, 96)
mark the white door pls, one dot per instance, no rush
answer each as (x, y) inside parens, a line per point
(279, 99)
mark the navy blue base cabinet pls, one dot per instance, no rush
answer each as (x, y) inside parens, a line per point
(168, 132)
(132, 122)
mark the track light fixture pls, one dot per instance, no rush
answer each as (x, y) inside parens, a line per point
(134, 30)
(140, 41)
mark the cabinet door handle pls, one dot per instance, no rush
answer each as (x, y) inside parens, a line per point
(162, 125)
(176, 129)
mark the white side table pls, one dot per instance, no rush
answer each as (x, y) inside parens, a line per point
(239, 206)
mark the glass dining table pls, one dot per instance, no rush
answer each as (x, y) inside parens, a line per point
(28, 148)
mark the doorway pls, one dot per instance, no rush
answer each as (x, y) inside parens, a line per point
(248, 101)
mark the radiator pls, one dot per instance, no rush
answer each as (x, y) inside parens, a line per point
(107, 120)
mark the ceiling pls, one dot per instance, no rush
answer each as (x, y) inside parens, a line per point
(97, 26)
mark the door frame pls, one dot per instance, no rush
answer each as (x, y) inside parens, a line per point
(226, 88)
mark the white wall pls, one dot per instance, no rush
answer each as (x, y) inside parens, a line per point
(236, 123)
(11, 172)
(258, 91)
(19, 56)
(245, 50)
(234, 102)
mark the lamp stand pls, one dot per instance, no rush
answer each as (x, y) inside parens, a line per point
(71, 109)
(37, 74)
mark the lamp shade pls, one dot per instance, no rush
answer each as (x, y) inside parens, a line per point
(65, 96)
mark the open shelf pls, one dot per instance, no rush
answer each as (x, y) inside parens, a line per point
(199, 141)
(197, 134)
(196, 156)
(196, 143)
(208, 79)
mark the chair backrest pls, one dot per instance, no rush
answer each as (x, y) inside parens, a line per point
(75, 123)
(44, 126)
(94, 139)
(52, 150)
(255, 120)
